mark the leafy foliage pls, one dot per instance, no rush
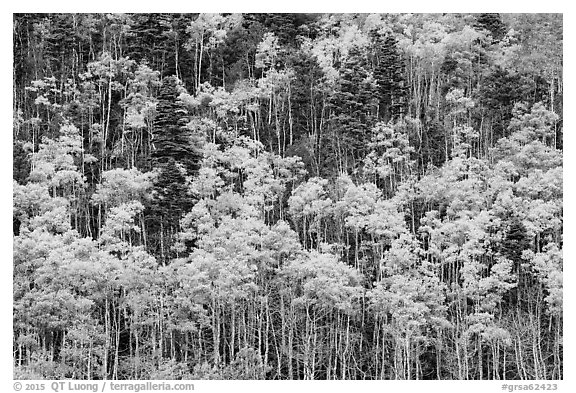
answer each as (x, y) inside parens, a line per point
(287, 196)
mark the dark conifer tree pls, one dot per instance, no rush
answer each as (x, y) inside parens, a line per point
(159, 39)
(307, 96)
(286, 26)
(353, 112)
(493, 23)
(172, 138)
(21, 163)
(500, 90)
(177, 156)
(389, 75)
(515, 242)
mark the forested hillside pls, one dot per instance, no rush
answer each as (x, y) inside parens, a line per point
(287, 196)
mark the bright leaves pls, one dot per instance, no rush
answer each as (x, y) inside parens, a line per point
(334, 196)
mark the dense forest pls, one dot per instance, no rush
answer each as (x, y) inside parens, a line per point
(287, 196)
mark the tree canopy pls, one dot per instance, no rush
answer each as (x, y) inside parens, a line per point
(288, 196)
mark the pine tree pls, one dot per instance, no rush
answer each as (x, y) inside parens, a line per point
(172, 139)
(493, 23)
(389, 75)
(352, 111)
(176, 156)
(21, 162)
(285, 26)
(148, 40)
(515, 242)
(501, 89)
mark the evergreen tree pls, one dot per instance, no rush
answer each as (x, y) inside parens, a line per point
(176, 156)
(493, 23)
(500, 90)
(353, 113)
(172, 138)
(21, 163)
(286, 26)
(515, 242)
(389, 75)
(153, 38)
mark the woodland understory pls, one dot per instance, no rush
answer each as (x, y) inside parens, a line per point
(287, 196)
